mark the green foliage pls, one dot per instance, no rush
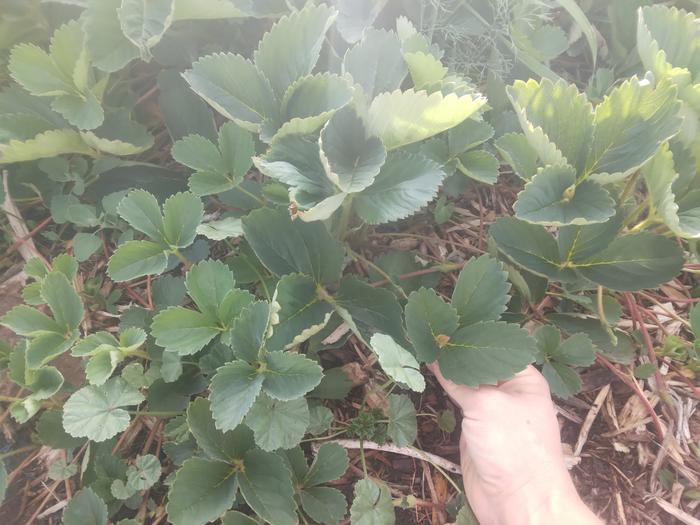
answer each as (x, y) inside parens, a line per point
(282, 157)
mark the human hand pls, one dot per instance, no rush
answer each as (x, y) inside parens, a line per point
(512, 461)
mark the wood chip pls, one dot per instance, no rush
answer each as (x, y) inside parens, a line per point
(677, 513)
(590, 418)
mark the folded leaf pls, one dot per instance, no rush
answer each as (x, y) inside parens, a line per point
(119, 135)
(207, 283)
(144, 22)
(430, 322)
(182, 213)
(232, 392)
(397, 362)
(389, 115)
(63, 300)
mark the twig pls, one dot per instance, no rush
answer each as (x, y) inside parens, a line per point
(590, 418)
(446, 464)
(27, 248)
(677, 513)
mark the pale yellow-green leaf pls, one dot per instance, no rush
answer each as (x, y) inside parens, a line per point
(44, 145)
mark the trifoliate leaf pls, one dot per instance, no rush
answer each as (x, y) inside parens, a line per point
(85, 508)
(429, 115)
(233, 391)
(351, 157)
(96, 413)
(402, 427)
(558, 359)
(290, 376)
(485, 353)
(278, 424)
(481, 292)
(301, 312)
(135, 259)
(292, 46)
(372, 504)
(397, 362)
(285, 246)
(376, 62)
(553, 197)
(144, 22)
(266, 486)
(246, 97)
(201, 492)
(430, 322)
(403, 186)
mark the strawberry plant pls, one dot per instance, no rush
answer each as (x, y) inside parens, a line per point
(207, 180)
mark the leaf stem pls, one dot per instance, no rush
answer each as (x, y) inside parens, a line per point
(157, 413)
(362, 458)
(10, 399)
(185, 262)
(251, 195)
(345, 218)
(377, 269)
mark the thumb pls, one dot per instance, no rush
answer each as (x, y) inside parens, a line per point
(458, 393)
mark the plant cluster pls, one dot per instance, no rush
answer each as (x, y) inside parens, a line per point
(238, 203)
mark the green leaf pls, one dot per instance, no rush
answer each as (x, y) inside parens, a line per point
(278, 424)
(184, 331)
(246, 97)
(144, 22)
(218, 230)
(481, 292)
(308, 104)
(207, 283)
(645, 371)
(376, 62)
(429, 114)
(468, 135)
(233, 391)
(515, 149)
(144, 473)
(634, 262)
(324, 504)
(266, 486)
(330, 463)
(285, 246)
(27, 321)
(198, 153)
(218, 445)
(351, 157)
(135, 259)
(236, 518)
(83, 111)
(402, 428)
(182, 213)
(201, 492)
(479, 165)
(3, 481)
(44, 145)
(85, 508)
(372, 504)
(553, 197)
(430, 321)
(96, 413)
(51, 433)
(530, 246)
(558, 359)
(371, 309)
(101, 365)
(85, 244)
(355, 17)
(425, 68)
(485, 353)
(301, 312)
(250, 330)
(119, 135)
(289, 376)
(46, 347)
(141, 210)
(291, 48)
(109, 49)
(184, 112)
(556, 119)
(397, 362)
(631, 124)
(63, 300)
(403, 186)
